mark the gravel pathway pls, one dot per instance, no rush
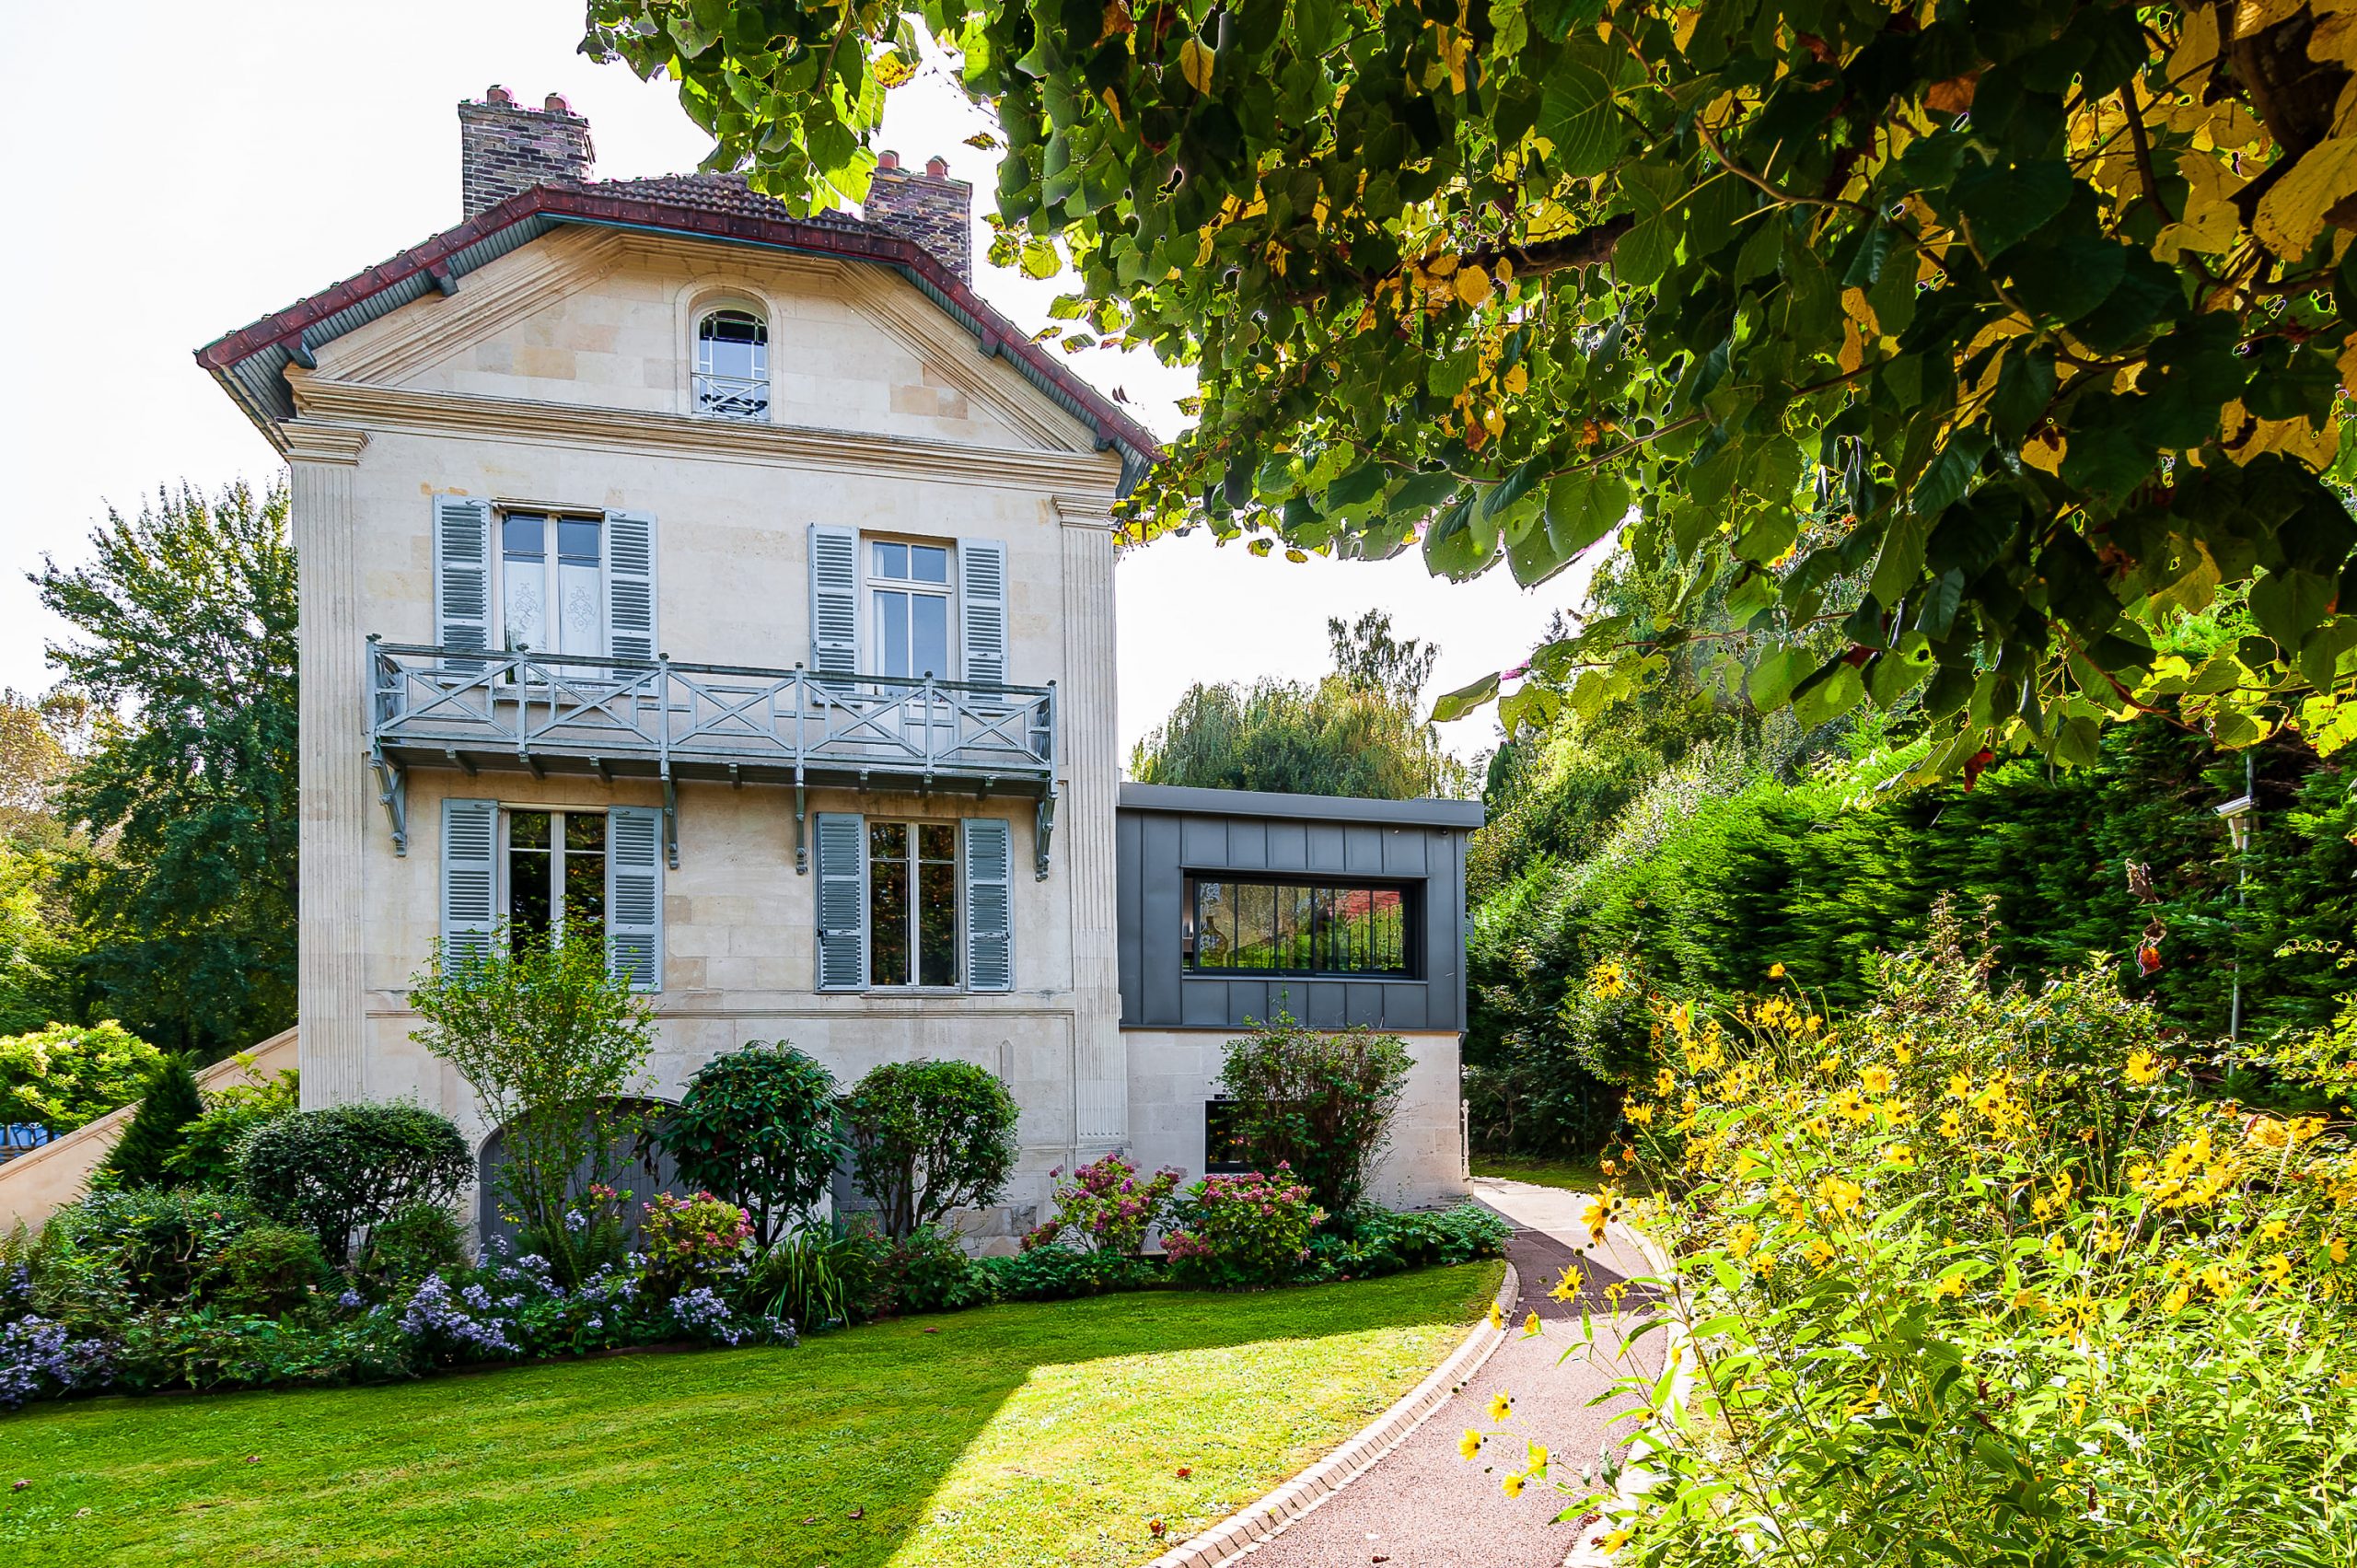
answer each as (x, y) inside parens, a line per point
(1424, 1506)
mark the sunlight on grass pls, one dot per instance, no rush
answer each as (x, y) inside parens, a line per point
(1575, 1175)
(1021, 1435)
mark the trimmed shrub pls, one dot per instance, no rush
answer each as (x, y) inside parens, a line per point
(210, 1145)
(927, 1137)
(142, 1157)
(267, 1269)
(933, 1273)
(758, 1128)
(68, 1075)
(1056, 1272)
(1104, 1208)
(411, 1242)
(149, 1245)
(1242, 1230)
(1371, 1242)
(339, 1170)
(1319, 1104)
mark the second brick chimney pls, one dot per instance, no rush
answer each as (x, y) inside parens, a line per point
(505, 147)
(930, 208)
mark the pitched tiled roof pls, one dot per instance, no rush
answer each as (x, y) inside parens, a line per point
(251, 363)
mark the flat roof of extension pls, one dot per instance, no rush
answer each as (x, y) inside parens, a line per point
(1462, 816)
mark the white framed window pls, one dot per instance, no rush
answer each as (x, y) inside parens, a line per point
(912, 607)
(913, 931)
(552, 870)
(552, 587)
(558, 870)
(732, 379)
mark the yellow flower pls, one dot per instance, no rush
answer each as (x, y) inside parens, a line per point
(2277, 1269)
(1743, 1239)
(2275, 1230)
(1614, 1541)
(1664, 1082)
(1951, 1125)
(1949, 1288)
(2179, 1294)
(1821, 1252)
(1513, 1484)
(1838, 1194)
(1875, 1080)
(1538, 1459)
(2267, 1132)
(1599, 1213)
(1642, 1113)
(1775, 971)
(1501, 1405)
(1900, 1155)
(1469, 1445)
(1681, 1017)
(1497, 1316)
(2143, 1067)
(1959, 1084)
(1531, 1324)
(1567, 1289)
(2217, 1280)
(1608, 981)
(1849, 1108)
(2339, 1250)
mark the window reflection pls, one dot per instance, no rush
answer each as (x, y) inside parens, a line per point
(1298, 927)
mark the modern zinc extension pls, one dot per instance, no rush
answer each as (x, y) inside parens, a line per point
(620, 717)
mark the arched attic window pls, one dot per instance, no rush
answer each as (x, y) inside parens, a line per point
(732, 365)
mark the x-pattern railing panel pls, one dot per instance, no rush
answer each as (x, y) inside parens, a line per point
(527, 702)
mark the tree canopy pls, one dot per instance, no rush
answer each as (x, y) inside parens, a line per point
(1988, 337)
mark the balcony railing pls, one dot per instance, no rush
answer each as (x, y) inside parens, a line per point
(662, 719)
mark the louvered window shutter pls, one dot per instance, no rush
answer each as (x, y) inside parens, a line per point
(834, 600)
(470, 880)
(982, 567)
(630, 584)
(463, 577)
(635, 895)
(990, 905)
(842, 900)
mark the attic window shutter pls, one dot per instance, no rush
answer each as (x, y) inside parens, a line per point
(842, 900)
(635, 896)
(463, 577)
(982, 565)
(834, 600)
(990, 914)
(630, 584)
(470, 880)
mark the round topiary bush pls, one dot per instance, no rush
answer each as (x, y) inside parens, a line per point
(758, 1128)
(267, 1269)
(927, 1137)
(340, 1170)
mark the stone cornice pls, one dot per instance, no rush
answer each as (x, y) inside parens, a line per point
(1082, 511)
(661, 434)
(306, 441)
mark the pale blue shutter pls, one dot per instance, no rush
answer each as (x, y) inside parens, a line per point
(630, 584)
(635, 895)
(463, 577)
(842, 900)
(834, 600)
(470, 880)
(990, 911)
(982, 568)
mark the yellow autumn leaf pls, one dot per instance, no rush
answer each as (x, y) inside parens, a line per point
(1517, 380)
(2347, 364)
(1682, 26)
(2334, 41)
(2197, 49)
(1853, 347)
(2211, 222)
(1859, 308)
(2252, 15)
(892, 70)
(1112, 102)
(1441, 266)
(1195, 65)
(2292, 213)
(2039, 454)
(1472, 284)
(2293, 438)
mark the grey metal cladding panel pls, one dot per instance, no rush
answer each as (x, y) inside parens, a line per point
(1204, 840)
(1407, 1006)
(1248, 844)
(1328, 1005)
(1288, 846)
(1362, 849)
(1204, 1003)
(1161, 896)
(1404, 851)
(1326, 847)
(1253, 999)
(1362, 1003)
(1129, 914)
(1445, 935)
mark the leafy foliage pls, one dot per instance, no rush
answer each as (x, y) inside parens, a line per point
(1359, 732)
(1993, 342)
(927, 1137)
(267, 1269)
(1104, 1208)
(129, 1246)
(210, 1144)
(63, 1076)
(410, 1244)
(1252, 1229)
(550, 1038)
(168, 1102)
(758, 1127)
(184, 881)
(339, 1170)
(1366, 1243)
(1319, 1105)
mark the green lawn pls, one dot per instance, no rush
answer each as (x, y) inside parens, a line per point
(1581, 1175)
(1012, 1435)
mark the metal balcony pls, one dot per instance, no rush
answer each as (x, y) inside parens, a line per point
(658, 718)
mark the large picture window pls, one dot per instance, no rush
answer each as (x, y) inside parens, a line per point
(1298, 927)
(908, 609)
(912, 903)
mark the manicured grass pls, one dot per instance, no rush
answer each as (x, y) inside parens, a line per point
(1580, 1175)
(1013, 1436)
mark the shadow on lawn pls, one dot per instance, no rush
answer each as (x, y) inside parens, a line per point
(829, 1454)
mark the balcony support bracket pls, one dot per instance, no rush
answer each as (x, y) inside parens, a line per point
(392, 792)
(801, 818)
(1046, 833)
(670, 820)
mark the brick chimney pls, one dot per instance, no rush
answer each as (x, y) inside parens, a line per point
(505, 147)
(930, 208)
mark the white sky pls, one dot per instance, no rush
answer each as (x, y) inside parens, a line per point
(230, 160)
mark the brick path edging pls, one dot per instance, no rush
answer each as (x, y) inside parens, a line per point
(1638, 1476)
(1229, 1539)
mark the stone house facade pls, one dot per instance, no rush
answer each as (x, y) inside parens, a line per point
(744, 585)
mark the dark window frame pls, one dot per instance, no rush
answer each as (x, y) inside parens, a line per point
(1220, 1133)
(1411, 923)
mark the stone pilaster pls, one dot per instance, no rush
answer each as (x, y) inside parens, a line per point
(1091, 741)
(331, 996)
